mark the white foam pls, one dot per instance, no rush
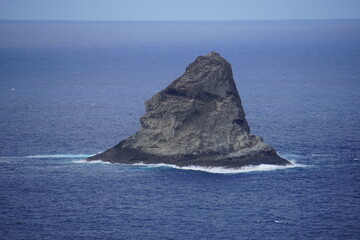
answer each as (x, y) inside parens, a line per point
(273, 221)
(90, 162)
(79, 161)
(222, 170)
(218, 170)
(60, 156)
(97, 161)
(281, 222)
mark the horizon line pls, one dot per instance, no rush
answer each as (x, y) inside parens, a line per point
(129, 20)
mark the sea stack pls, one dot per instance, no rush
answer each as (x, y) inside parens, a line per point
(198, 120)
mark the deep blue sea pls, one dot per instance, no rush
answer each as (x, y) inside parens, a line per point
(72, 89)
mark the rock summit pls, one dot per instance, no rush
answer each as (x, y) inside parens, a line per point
(198, 120)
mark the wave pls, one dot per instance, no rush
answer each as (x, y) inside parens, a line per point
(223, 170)
(90, 162)
(218, 170)
(60, 156)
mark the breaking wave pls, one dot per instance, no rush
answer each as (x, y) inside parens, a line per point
(222, 170)
(90, 162)
(218, 170)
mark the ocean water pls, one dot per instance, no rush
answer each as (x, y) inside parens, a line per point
(72, 89)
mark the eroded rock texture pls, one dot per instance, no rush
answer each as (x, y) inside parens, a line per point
(197, 120)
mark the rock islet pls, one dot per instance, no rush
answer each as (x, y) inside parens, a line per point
(198, 120)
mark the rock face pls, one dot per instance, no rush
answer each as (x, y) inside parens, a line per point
(197, 120)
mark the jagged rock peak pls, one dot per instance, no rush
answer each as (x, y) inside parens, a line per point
(210, 74)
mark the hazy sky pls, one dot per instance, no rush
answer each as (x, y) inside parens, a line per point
(178, 9)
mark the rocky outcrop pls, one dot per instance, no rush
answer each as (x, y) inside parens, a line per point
(197, 120)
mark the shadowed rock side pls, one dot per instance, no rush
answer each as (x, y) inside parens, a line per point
(197, 120)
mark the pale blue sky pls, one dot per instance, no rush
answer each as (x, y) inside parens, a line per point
(178, 9)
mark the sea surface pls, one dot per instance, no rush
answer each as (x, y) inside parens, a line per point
(72, 89)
